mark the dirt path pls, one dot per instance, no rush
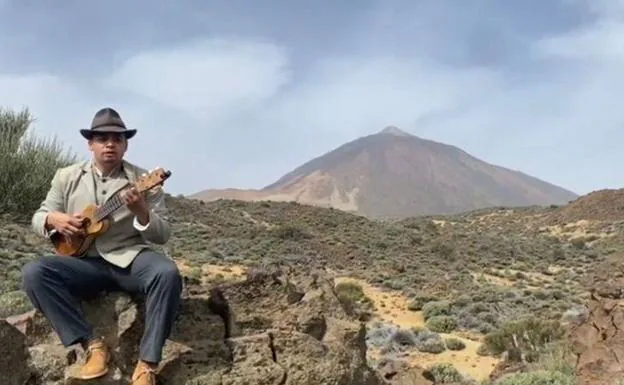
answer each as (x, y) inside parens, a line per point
(392, 308)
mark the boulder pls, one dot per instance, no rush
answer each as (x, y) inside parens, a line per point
(13, 355)
(272, 329)
(598, 342)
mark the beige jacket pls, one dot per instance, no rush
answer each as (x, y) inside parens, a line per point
(72, 189)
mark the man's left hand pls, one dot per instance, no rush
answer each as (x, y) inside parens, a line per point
(137, 204)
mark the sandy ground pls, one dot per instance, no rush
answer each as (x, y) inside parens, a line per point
(392, 308)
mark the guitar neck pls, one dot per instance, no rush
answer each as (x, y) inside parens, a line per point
(114, 204)
(110, 206)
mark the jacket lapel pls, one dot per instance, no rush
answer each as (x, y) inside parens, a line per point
(129, 173)
(88, 181)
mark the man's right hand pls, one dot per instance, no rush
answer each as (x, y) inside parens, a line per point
(65, 224)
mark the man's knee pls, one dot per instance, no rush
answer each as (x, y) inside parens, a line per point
(33, 273)
(168, 274)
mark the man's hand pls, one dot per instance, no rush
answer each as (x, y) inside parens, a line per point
(136, 204)
(69, 225)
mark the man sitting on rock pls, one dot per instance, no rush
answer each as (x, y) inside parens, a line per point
(120, 259)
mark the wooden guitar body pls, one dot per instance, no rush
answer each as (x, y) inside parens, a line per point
(96, 218)
(77, 245)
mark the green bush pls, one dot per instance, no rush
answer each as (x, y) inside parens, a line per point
(442, 324)
(443, 374)
(453, 343)
(540, 377)
(436, 308)
(350, 291)
(526, 337)
(417, 303)
(27, 164)
(353, 300)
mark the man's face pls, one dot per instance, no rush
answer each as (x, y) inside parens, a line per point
(108, 148)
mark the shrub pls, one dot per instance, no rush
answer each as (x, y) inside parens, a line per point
(429, 342)
(436, 308)
(442, 324)
(524, 338)
(404, 337)
(350, 291)
(290, 231)
(27, 164)
(443, 374)
(353, 299)
(454, 344)
(417, 303)
(390, 338)
(540, 377)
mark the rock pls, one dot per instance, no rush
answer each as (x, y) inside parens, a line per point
(411, 376)
(289, 331)
(50, 362)
(254, 362)
(505, 368)
(401, 372)
(13, 356)
(599, 342)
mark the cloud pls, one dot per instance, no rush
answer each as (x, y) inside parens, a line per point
(208, 78)
(350, 96)
(250, 109)
(60, 109)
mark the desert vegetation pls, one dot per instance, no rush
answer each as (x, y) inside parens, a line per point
(501, 277)
(27, 163)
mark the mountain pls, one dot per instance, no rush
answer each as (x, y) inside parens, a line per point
(396, 174)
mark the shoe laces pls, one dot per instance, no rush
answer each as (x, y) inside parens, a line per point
(144, 369)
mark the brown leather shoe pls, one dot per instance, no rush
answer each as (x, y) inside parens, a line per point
(96, 364)
(143, 374)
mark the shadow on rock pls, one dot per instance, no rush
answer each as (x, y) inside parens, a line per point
(288, 330)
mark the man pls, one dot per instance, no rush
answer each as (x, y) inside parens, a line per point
(120, 259)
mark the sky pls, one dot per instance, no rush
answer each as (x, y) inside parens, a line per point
(238, 93)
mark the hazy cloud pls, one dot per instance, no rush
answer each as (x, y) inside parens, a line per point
(251, 97)
(208, 78)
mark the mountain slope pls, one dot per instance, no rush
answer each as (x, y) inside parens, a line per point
(395, 174)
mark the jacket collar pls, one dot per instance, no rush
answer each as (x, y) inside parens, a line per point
(126, 167)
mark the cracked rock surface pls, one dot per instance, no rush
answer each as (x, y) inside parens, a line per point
(598, 341)
(281, 329)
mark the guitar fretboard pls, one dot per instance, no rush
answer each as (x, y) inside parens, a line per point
(111, 205)
(115, 202)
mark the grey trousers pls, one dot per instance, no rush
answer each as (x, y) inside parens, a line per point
(55, 286)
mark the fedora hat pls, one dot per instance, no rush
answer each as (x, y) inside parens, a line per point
(107, 120)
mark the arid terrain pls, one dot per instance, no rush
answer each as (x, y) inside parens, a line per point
(444, 299)
(395, 174)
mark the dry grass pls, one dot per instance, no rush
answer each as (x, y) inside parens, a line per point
(489, 267)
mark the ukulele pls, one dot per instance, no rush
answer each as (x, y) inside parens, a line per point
(96, 219)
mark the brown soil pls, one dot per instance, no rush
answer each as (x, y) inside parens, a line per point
(602, 205)
(392, 308)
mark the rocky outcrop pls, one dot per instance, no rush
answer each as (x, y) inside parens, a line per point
(287, 331)
(599, 343)
(400, 372)
(13, 355)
